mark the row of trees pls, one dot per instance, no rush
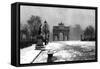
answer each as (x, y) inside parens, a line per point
(30, 31)
(88, 34)
(34, 27)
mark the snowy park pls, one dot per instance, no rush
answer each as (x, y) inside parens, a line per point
(65, 34)
(62, 51)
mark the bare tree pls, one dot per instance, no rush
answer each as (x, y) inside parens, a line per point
(34, 24)
(89, 33)
(23, 32)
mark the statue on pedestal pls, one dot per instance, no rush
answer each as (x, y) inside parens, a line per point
(39, 44)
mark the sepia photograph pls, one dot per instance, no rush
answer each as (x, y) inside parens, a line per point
(56, 34)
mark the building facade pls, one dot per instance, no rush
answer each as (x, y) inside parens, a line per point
(60, 32)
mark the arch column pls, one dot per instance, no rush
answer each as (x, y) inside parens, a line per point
(68, 36)
(63, 36)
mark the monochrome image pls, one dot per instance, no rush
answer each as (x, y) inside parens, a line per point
(54, 34)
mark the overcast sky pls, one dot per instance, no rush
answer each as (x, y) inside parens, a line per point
(69, 16)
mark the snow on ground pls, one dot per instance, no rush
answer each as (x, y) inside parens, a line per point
(27, 54)
(65, 51)
(74, 43)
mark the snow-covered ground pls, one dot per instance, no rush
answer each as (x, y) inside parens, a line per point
(63, 51)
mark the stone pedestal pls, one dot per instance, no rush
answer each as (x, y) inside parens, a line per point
(49, 59)
(39, 44)
(50, 56)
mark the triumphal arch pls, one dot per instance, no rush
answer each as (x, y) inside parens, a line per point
(60, 32)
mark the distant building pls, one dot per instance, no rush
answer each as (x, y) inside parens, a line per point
(75, 32)
(60, 32)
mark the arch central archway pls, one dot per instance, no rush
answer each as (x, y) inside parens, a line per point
(61, 36)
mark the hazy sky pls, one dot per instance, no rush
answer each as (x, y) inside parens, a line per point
(53, 16)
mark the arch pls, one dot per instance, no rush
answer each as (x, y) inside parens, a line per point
(61, 31)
